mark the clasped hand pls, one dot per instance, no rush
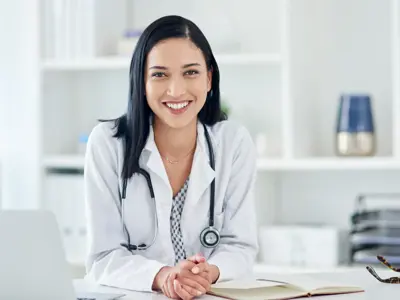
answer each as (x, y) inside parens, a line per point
(188, 279)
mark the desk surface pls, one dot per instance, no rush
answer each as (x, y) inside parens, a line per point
(373, 289)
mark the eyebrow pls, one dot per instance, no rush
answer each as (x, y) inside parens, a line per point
(183, 67)
(191, 65)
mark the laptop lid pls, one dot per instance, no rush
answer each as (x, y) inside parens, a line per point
(32, 257)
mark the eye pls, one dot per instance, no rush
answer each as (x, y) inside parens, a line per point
(158, 74)
(191, 72)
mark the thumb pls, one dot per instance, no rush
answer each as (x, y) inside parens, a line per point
(197, 258)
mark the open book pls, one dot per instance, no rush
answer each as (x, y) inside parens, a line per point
(281, 286)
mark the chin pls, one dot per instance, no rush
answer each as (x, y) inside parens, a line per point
(179, 122)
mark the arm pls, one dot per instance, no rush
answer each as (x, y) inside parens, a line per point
(234, 257)
(108, 263)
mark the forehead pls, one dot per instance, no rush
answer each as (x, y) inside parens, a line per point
(175, 52)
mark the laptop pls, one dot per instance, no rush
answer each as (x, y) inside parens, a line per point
(32, 259)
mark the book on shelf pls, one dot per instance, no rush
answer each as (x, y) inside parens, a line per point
(281, 286)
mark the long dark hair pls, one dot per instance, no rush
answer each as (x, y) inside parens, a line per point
(134, 126)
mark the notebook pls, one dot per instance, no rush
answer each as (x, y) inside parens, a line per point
(281, 286)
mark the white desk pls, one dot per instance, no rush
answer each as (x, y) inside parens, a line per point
(373, 289)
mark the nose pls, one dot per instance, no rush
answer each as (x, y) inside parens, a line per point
(176, 88)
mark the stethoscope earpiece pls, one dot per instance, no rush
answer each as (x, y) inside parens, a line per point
(210, 237)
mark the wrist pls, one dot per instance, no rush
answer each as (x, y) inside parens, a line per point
(160, 278)
(214, 270)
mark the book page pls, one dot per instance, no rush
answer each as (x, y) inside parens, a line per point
(279, 286)
(336, 290)
(248, 283)
(271, 293)
(306, 282)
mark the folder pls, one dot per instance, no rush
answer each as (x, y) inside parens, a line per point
(281, 286)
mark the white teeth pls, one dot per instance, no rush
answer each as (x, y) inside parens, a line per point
(177, 105)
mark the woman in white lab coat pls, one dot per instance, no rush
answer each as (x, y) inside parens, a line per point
(169, 242)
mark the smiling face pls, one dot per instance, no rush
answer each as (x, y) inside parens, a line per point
(177, 82)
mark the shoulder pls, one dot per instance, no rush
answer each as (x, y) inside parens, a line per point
(102, 138)
(232, 136)
(229, 131)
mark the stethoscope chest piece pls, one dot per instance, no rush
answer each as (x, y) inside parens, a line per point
(210, 237)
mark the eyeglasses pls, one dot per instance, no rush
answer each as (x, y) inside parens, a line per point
(387, 264)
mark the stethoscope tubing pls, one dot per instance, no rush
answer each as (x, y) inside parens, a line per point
(207, 231)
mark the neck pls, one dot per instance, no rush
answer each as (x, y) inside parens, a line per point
(175, 143)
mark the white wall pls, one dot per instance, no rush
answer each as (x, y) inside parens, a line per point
(20, 103)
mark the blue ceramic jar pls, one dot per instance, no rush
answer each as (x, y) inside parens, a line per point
(355, 131)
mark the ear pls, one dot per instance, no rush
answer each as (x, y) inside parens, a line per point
(209, 80)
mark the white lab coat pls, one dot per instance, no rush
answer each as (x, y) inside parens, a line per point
(110, 264)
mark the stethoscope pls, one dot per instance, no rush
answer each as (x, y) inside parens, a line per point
(209, 236)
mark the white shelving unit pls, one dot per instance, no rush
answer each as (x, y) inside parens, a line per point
(290, 110)
(283, 63)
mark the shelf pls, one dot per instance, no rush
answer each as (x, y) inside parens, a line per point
(326, 164)
(64, 161)
(116, 63)
(101, 63)
(307, 164)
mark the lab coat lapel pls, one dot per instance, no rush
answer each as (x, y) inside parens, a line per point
(201, 174)
(154, 162)
(161, 186)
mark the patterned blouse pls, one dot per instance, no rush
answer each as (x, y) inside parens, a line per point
(175, 219)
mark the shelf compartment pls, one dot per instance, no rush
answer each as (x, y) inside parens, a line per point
(123, 63)
(324, 66)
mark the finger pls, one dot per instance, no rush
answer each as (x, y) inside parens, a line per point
(197, 278)
(191, 291)
(207, 276)
(199, 268)
(181, 291)
(186, 264)
(166, 287)
(164, 291)
(194, 288)
(197, 258)
(167, 294)
(170, 286)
